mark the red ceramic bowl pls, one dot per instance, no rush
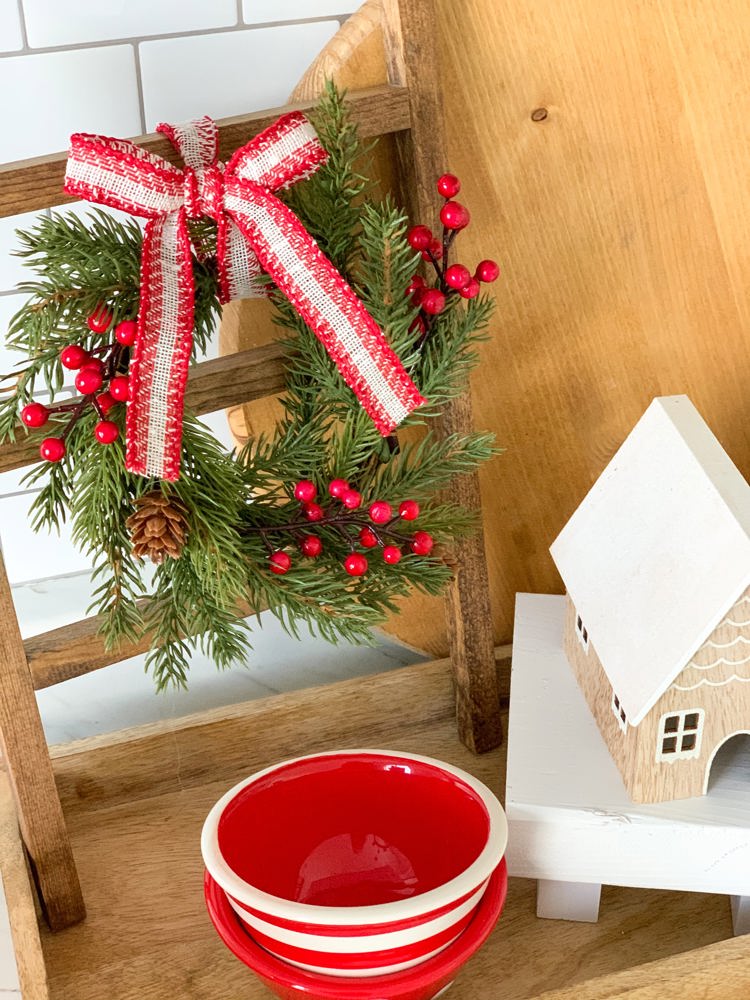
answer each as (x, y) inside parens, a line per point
(355, 863)
(424, 982)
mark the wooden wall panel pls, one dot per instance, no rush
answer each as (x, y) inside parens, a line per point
(621, 223)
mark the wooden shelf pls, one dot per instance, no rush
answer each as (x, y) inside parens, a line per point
(135, 802)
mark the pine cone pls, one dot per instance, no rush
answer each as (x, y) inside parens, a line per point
(158, 527)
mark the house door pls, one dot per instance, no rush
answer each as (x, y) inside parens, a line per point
(729, 765)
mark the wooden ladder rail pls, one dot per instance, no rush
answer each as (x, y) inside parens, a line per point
(414, 115)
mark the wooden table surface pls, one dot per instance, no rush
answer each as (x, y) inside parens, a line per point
(135, 804)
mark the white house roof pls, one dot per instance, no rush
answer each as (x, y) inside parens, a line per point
(658, 551)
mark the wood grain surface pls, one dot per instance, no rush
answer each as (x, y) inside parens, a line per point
(19, 899)
(27, 763)
(135, 803)
(35, 184)
(605, 165)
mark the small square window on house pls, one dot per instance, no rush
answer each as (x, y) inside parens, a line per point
(582, 633)
(679, 735)
(622, 719)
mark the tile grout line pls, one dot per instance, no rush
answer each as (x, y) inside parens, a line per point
(22, 24)
(164, 36)
(139, 84)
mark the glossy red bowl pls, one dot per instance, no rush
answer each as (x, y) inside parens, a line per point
(424, 982)
(355, 863)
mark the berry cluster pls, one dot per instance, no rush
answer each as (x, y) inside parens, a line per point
(378, 526)
(453, 279)
(101, 379)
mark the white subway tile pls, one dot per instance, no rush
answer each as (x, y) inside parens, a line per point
(32, 556)
(262, 11)
(12, 268)
(10, 26)
(57, 93)
(65, 22)
(229, 73)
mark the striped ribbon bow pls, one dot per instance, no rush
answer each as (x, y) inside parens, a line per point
(256, 232)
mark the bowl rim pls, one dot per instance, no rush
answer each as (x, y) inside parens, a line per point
(446, 963)
(402, 909)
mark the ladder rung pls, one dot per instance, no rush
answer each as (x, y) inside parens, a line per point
(35, 184)
(77, 649)
(213, 385)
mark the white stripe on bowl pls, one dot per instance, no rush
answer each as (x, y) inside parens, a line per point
(365, 943)
(382, 970)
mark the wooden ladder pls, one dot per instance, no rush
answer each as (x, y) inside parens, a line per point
(409, 108)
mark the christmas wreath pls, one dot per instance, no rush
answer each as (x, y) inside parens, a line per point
(328, 521)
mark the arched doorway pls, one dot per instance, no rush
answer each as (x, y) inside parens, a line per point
(729, 763)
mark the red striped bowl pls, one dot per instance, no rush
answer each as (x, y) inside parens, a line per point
(426, 981)
(355, 863)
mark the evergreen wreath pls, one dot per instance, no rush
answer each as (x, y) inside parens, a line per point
(324, 522)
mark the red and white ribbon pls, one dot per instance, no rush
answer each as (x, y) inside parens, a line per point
(256, 233)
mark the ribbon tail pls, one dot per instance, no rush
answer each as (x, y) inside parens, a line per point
(159, 368)
(238, 265)
(328, 305)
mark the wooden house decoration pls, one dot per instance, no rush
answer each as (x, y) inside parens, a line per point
(656, 565)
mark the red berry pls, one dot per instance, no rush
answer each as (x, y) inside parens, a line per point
(454, 215)
(422, 543)
(351, 499)
(416, 283)
(355, 564)
(409, 510)
(279, 562)
(417, 326)
(380, 512)
(487, 270)
(106, 402)
(305, 491)
(457, 276)
(313, 512)
(35, 415)
(448, 185)
(435, 249)
(338, 487)
(100, 319)
(419, 237)
(125, 332)
(94, 364)
(52, 449)
(433, 301)
(119, 388)
(367, 538)
(392, 554)
(311, 546)
(471, 290)
(88, 380)
(73, 357)
(106, 432)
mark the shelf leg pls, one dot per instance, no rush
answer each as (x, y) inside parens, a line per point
(24, 749)
(740, 914)
(411, 56)
(568, 900)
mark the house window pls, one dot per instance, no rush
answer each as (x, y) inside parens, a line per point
(582, 633)
(622, 719)
(680, 735)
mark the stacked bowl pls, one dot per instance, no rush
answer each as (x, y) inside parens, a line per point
(355, 867)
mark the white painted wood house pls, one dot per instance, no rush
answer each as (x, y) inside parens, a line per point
(656, 564)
